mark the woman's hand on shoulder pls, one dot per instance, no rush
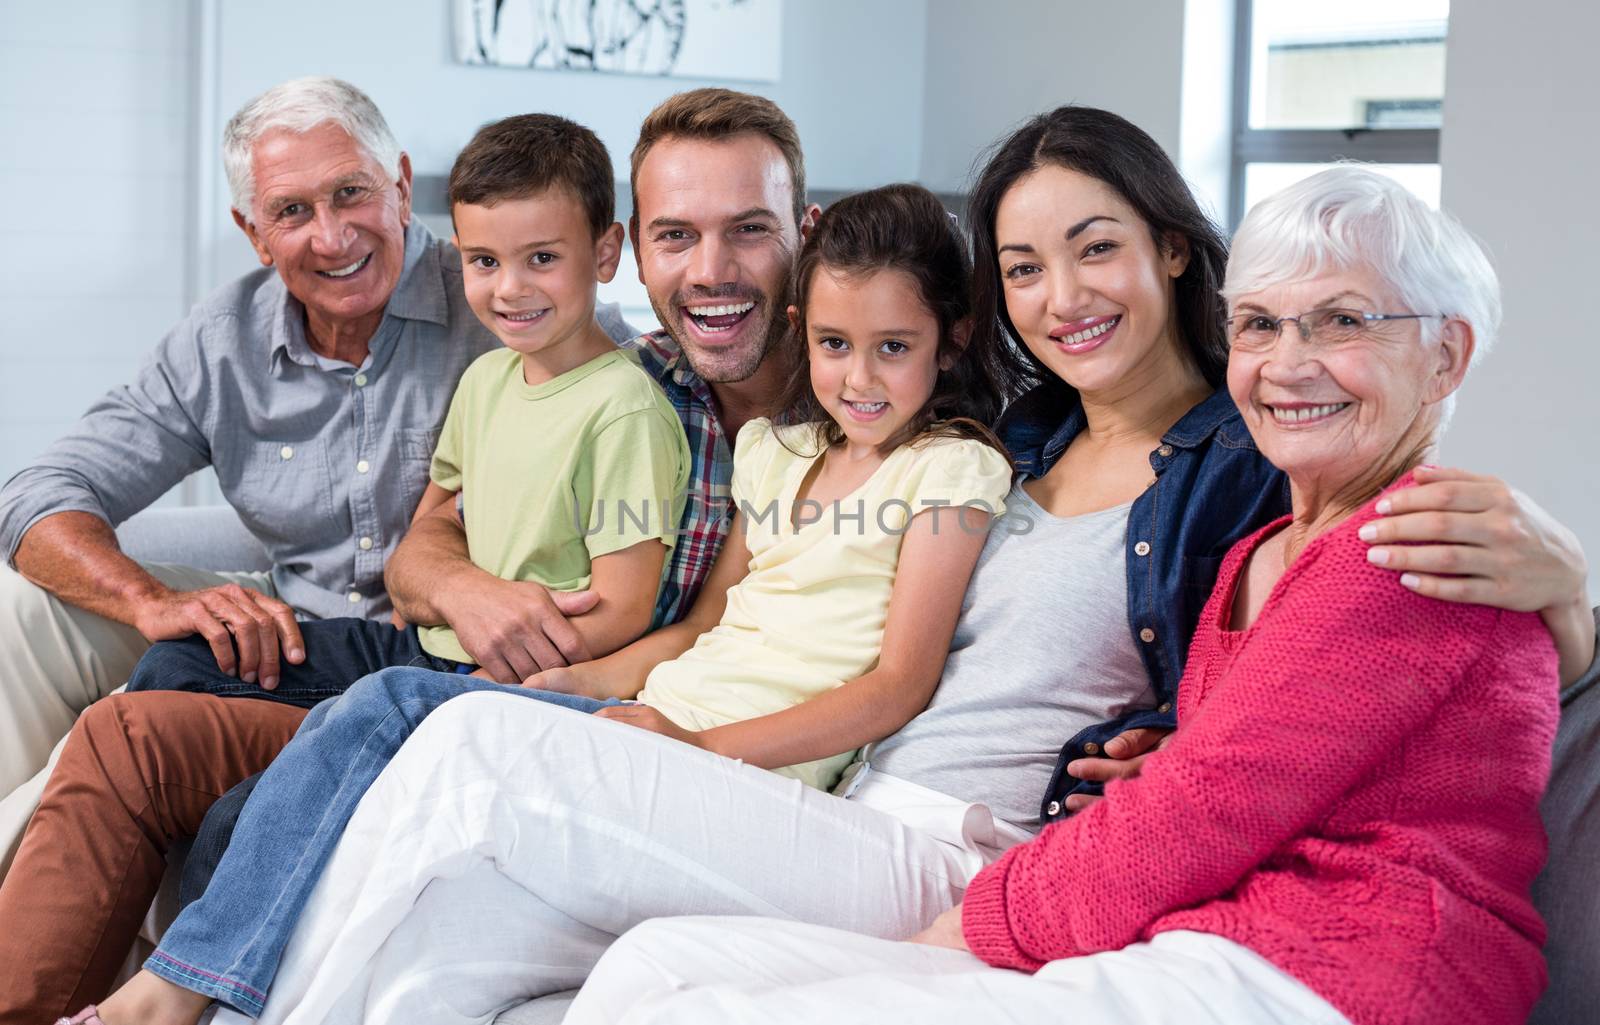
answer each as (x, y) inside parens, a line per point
(1467, 537)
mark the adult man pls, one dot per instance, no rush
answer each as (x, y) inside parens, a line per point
(720, 180)
(315, 388)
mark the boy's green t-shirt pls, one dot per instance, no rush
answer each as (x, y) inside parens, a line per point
(555, 475)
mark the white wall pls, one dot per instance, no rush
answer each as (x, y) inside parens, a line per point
(852, 82)
(990, 66)
(94, 224)
(1520, 155)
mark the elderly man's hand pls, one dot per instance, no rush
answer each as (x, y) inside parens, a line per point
(1465, 537)
(1124, 759)
(514, 629)
(248, 631)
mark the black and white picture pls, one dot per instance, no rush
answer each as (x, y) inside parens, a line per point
(726, 39)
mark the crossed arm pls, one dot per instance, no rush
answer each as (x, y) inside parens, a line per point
(433, 581)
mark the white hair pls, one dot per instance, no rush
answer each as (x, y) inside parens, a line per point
(1351, 217)
(300, 105)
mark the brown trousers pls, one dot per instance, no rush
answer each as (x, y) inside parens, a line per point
(137, 774)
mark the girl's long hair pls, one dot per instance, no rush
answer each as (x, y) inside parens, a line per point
(903, 228)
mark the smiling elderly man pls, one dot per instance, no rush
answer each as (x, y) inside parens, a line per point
(315, 388)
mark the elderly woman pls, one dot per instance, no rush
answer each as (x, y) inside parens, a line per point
(1322, 841)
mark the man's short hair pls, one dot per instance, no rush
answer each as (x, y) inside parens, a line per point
(527, 154)
(300, 105)
(716, 115)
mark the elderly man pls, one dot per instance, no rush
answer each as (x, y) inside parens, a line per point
(315, 388)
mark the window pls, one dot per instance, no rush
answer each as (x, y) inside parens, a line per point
(1316, 83)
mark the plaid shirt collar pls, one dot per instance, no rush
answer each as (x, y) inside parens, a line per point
(664, 358)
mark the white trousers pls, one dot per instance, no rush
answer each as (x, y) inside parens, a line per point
(55, 661)
(511, 842)
(709, 971)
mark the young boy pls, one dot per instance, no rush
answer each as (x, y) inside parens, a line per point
(561, 458)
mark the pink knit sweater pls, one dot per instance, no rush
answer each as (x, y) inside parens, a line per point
(1353, 793)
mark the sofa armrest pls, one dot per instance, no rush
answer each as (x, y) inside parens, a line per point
(203, 536)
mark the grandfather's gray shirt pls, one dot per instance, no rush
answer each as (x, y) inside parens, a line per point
(324, 461)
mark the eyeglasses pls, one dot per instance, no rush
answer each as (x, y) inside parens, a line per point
(1321, 328)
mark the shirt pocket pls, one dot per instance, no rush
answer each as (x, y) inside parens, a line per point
(416, 455)
(284, 494)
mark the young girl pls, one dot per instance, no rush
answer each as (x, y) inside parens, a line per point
(843, 565)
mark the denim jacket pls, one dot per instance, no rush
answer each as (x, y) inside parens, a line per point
(1212, 488)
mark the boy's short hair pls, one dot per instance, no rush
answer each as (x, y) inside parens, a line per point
(715, 115)
(527, 154)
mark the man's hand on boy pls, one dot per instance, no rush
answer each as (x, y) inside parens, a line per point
(1124, 759)
(514, 629)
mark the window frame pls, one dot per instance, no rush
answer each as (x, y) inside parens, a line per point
(1306, 145)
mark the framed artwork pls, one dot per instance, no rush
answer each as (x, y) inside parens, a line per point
(719, 39)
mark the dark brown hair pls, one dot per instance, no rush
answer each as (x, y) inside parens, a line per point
(528, 154)
(903, 228)
(716, 115)
(1113, 150)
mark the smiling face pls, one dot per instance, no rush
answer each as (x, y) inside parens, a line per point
(873, 346)
(530, 268)
(1087, 287)
(715, 238)
(332, 222)
(1346, 417)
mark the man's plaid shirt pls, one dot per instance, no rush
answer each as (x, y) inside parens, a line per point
(708, 506)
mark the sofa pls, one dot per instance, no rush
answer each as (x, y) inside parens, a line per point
(1567, 893)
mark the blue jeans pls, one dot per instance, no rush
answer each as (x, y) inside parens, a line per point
(338, 653)
(227, 944)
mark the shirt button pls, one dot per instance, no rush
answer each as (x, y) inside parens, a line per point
(355, 596)
(1091, 748)
(1142, 548)
(363, 466)
(361, 380)
(366, 544)
(1164, 451)
(1147, 635)
(1166, 706)
(286, 452)
(1054, 809)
